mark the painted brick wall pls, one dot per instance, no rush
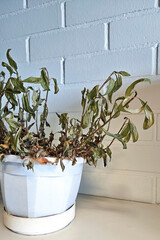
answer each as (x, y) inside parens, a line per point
(81, 42)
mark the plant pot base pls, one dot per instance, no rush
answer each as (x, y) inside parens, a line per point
(41, 225)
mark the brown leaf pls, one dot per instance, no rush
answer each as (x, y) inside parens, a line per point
(42, 160)
(4, 146)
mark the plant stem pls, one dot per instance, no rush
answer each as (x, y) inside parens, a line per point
(111, 115)
(37, 122)
(126, 119)
(106, 81)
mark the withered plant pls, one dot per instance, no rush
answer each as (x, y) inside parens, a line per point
(84, 137)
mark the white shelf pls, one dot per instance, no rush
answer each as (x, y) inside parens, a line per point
(103, 218)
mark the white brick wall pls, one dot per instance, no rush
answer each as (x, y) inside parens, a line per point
(81, 42)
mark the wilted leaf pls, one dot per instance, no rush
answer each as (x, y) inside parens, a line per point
(117, 136)
(123, 73)
(109, 152)
(56, 89)
(41, 160)
(134, 132)
(8, 67)
(131, 87)
(32, 80)
(16, 143)
(18, 84)
(12, 123)
(125, 130)
(86, 120)
(2, 156)
(25, 102)
(62, 164)
(103, 116)
(110, 86)
(11, 61)
(44, 80)
(93, 92)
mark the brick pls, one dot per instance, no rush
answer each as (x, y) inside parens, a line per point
(18, 51)
(137, 157)
(10, 6)
(122, 185)
(31, 21)
(135, 31)
(82, 11)
(67, 100)
(151, 94)
(34, 69)
(98, 67)
(67, 42)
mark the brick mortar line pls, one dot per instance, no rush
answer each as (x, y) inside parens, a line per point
(87, 24)
(121, 171)
(24, 10)
(125, 15)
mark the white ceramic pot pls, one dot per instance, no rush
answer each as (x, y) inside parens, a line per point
(43, 192)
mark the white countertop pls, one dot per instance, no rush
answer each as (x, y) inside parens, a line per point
(100, 218)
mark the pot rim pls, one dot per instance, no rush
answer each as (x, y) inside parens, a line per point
(16, 159)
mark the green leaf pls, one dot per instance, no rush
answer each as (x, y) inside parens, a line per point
(110, 86)
(2, 74)
(125, 130)
(56, 89)
(8, 67)
(117, 136)
(1, 85)
(25, 103)
(149, 116)
(123, 141)
(12, 124)
(93, 92)
(18, 84)
(63, 119)
(131, 87)
(109, 152)
(32, 80)
(117, 85)
(103, 116)
(116, 110)
(123, 73)
(86, 120)
(11, 61)
(127, 138)
(104, 159)
(10, 96)
(44, 80)
(134, 132)
(16, 143)
(132, 111)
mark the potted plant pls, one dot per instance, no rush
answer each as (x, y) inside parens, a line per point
(40, 179)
